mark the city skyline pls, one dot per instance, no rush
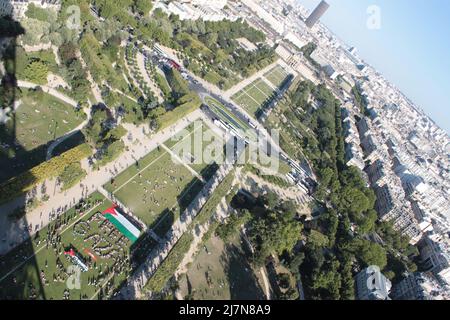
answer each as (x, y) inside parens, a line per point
(398, 45)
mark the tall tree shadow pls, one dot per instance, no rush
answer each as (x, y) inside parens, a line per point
(243, 282)
(19, 271)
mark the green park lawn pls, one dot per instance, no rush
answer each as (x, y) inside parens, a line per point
(158, 188)
(247, 102)
(41, 118)
(222, 272)
(261, 91)
(155, 189)
(34, 276)
(254, 96)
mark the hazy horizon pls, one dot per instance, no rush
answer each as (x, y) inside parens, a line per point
(397, 49)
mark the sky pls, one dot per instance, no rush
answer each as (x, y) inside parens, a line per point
(411, 48)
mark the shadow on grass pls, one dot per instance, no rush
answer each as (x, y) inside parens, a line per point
(15, 158)
(163, 224)
(243, 281)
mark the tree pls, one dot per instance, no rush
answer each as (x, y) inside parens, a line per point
(318, 239)
(330, 223)
(226, 230)
(367, 223)
(284, 280)
(369, 253)
(178, 85)
(295, 264)
(36, 72)
(271, 199)
(347, 291)
(353, 201)
(274, 232)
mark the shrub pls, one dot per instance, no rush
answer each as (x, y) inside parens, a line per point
(49, 169)
(71, 175)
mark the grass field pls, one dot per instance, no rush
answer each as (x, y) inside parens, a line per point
(222, 272)
(276, 76)
(158, 187)
(38, 268)
(41, 118)
(255, 96)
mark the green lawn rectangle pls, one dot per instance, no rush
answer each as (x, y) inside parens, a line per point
(276, 76)
(254, 96)
(157, 189)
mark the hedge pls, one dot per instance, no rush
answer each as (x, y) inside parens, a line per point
(210, 206)
(163, 85)
(169, 118)
(71, 175)
(276, 180)
(168, 267)
(112, 152)
(49, 169)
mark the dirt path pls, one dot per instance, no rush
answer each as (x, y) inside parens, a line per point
(266, 282)
(46, 89)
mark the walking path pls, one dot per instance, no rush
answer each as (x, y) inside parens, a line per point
(46, 89)
(266, 282)
(94, 86)
(124, 94)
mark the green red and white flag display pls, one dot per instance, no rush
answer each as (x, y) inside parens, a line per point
(114, 215)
